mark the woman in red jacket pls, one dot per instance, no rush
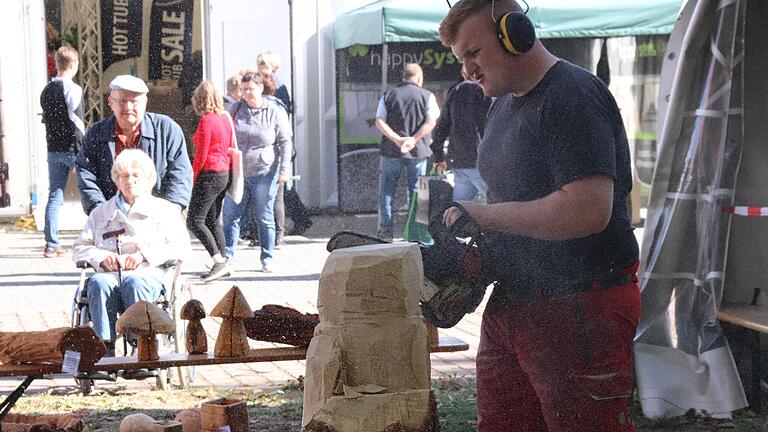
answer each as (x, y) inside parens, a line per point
(212, 139)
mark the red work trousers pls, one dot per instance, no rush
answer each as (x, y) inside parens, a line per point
(559, 363)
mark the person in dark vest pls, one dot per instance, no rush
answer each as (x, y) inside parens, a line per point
(62, 103)
(405, 117)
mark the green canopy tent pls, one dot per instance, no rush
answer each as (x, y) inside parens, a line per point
(417, 21)
(372, 43)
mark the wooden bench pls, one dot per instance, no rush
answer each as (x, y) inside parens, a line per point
(114, 364)
(754, 321)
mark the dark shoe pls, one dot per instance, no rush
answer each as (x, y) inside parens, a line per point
(254, 243)
(300, 228)
(139, 374)
(110, 348)
(53, 252)
(218, 270)
(96, 375)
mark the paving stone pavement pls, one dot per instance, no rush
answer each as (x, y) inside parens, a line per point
(37, 293)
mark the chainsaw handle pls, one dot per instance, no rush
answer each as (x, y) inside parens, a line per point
(465, 220)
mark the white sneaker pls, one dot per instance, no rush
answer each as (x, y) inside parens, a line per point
(265, 267)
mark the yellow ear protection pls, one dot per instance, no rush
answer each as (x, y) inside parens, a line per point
(516, 32)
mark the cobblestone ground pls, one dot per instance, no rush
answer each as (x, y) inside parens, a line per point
(37, 294)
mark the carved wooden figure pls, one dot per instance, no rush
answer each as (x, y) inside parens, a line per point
(49, 346)
(148, 321)
(368, 362)
(232, 340)
(196, 342)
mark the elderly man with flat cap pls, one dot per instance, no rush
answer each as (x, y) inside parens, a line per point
(131, 127)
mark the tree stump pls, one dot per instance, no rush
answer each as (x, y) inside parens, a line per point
(48, 346)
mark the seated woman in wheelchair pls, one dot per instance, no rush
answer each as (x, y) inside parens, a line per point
(125, 239)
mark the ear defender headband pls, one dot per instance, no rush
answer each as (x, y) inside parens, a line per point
(515, 30)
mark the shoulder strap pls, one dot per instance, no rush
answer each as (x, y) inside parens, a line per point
(232, 125)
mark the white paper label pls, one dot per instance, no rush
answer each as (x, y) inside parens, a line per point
(225, 429)
(71, 362)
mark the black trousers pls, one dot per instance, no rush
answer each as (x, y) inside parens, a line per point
(204, 210)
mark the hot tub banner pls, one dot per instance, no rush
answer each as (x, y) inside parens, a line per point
(170, 38)
(121, 24)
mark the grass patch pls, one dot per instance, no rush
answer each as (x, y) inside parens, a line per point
(280, 410)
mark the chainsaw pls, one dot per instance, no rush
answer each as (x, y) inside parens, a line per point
(457, 269)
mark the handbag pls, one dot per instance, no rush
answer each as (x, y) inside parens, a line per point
(236, 178)
(434, 196)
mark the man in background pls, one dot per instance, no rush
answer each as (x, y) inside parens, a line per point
(461, 122)
(405, 117)
(131, 127)
(233, 91)
(62, 103)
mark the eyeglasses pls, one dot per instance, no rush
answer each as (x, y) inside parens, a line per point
(131, 175)
(249, 89)
(126, 102)
(261, 63)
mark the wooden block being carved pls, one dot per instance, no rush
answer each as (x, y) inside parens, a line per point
(48, 346)
(232, 340)
(368, 362)
(224, 412)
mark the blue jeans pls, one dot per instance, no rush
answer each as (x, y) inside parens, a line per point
(107, 298)
(59, 166)
(467, 183)
(390, 169)
(260, 192)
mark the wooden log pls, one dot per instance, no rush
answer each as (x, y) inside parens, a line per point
(232, 341)
(49, 346)
(22, 427)
(66, 422)
(275, 323)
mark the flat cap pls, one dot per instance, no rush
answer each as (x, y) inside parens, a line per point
(128, 83)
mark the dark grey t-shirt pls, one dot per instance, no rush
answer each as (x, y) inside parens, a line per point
(567, 128)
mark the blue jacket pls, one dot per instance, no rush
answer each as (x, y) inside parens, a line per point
(161, 138)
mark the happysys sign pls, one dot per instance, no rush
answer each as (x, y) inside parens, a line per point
(363, 63)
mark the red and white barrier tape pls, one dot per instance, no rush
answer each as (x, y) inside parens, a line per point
(746, 211)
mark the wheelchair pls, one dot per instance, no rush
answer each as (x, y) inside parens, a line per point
(173, 295)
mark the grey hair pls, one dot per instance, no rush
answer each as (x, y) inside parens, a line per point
(131, 158)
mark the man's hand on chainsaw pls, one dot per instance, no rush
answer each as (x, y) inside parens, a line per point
(452, 214)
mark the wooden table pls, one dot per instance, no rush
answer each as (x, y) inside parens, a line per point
(754, 320)
(114, 364)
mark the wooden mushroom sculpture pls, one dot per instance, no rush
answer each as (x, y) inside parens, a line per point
(147, 320)
(232, 340)
(196, 342)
